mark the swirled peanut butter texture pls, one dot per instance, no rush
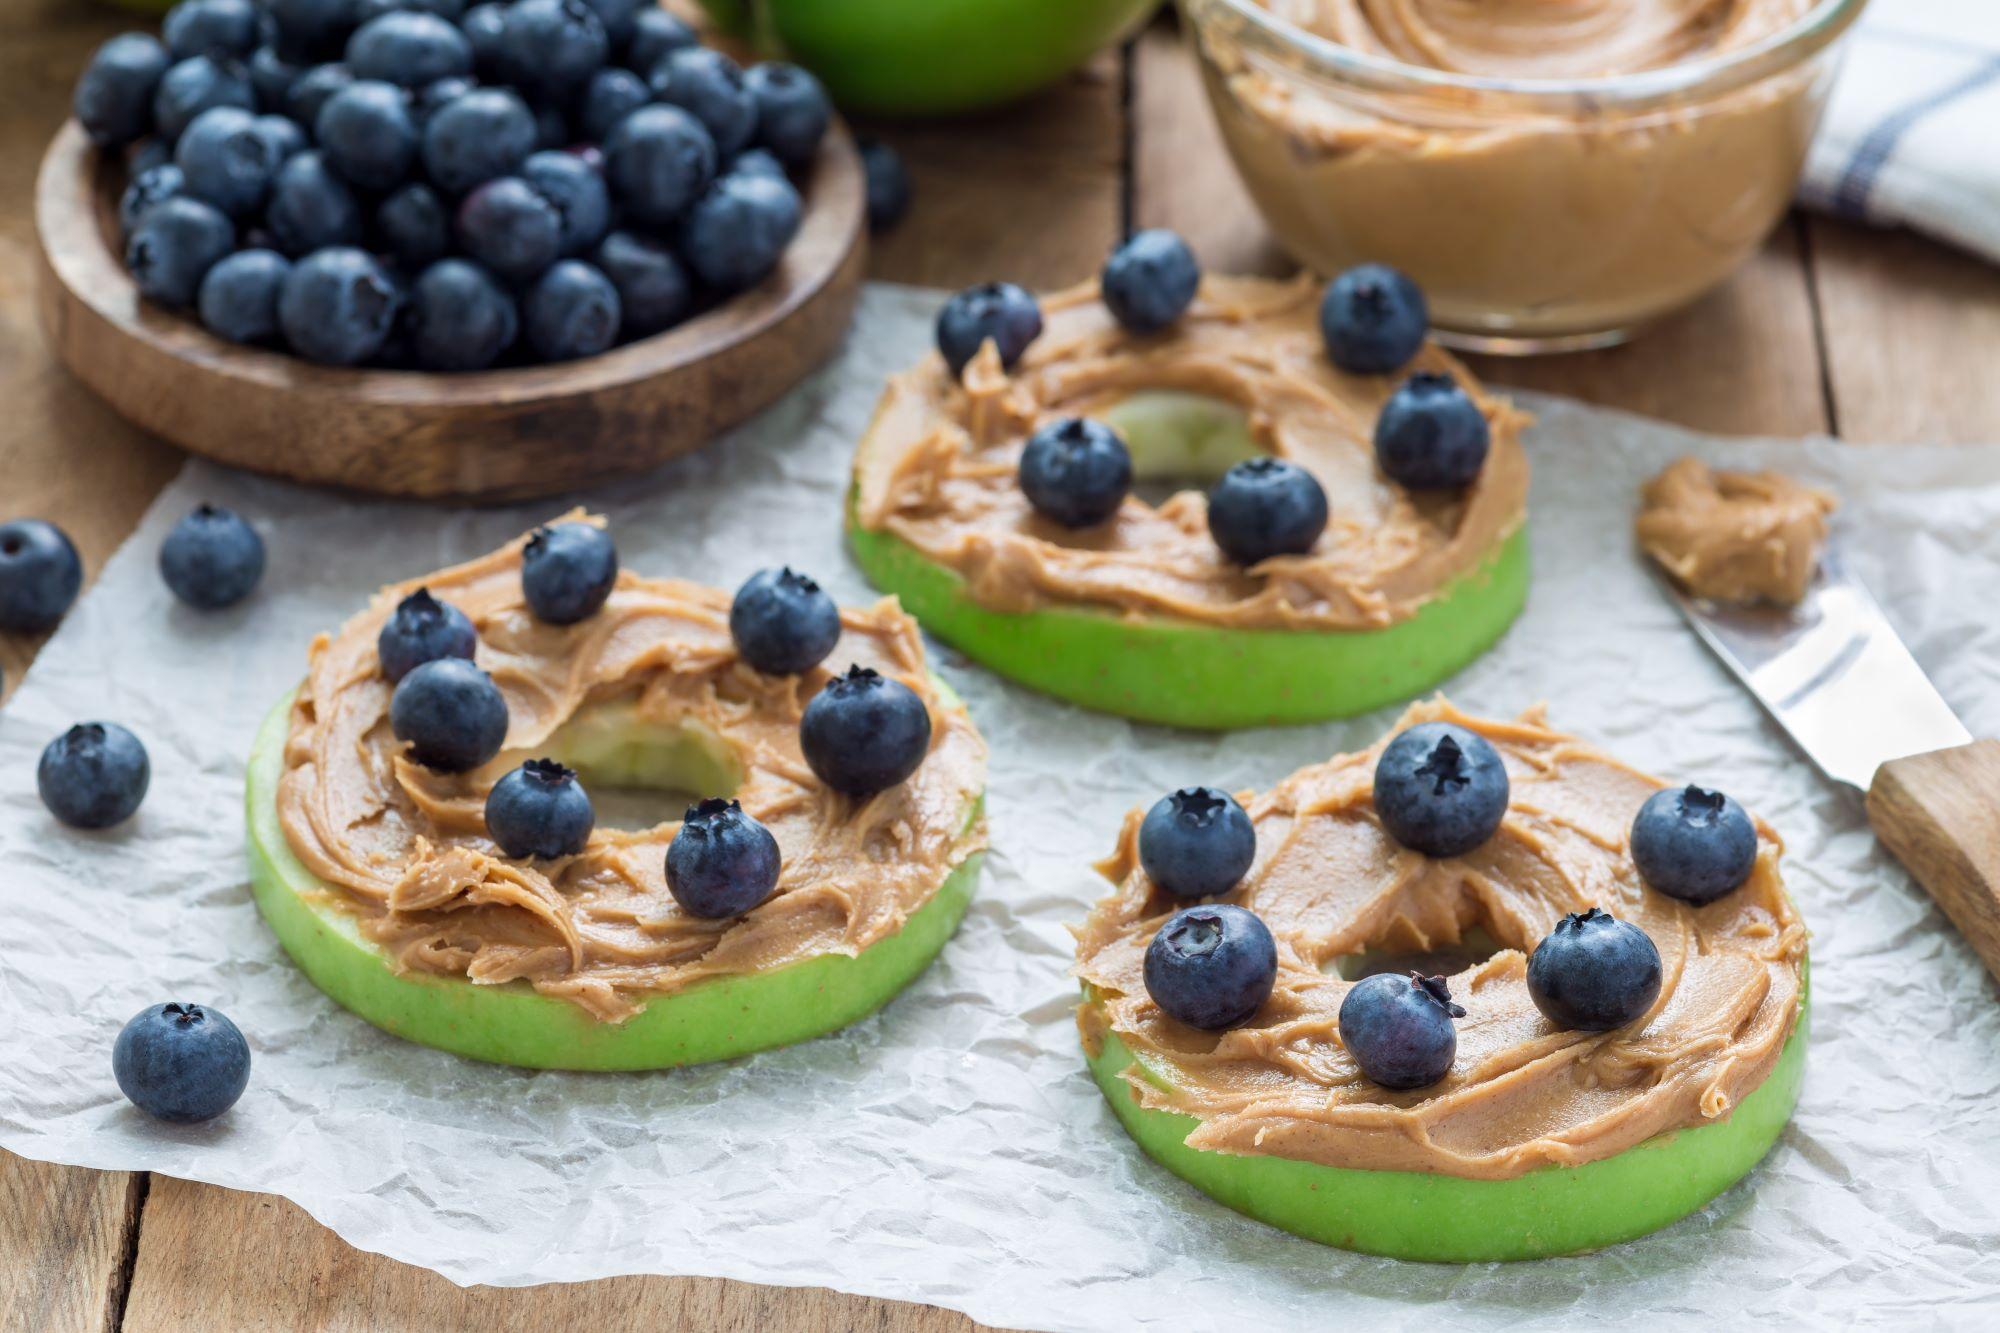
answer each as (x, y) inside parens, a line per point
(1734, 536)
(1329, 882)
(405, 849)
(938, 467)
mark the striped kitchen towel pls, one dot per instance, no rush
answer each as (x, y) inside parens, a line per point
(1911, 136)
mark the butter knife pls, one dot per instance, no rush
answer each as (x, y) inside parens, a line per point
(1834, 675)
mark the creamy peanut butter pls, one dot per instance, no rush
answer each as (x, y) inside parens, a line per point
(1734, 536)
(1572, 217)
(938, 466)
(1329, 882)
(405, 849)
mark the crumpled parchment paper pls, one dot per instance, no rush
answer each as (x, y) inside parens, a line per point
(952, 1149)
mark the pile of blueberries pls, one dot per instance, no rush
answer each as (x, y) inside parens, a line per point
(418, 184)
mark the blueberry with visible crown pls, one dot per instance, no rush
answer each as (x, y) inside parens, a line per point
(450, 713)
(212, 558)
(539, 810)
(94, 775)
(1211, 966)
(338, 306)
(1000, 311)
(182, 1063)
(1150, 280)
(1399, 1028)
(175, 244)
(227, 159)
(864, 733)
(1594, 972)
(1431, 435)
(1266, 507)
(1076, 471)
(722, 862)
(40, 575)
(1373, 319)
(423, 629)
(582, 203)
(568, 571)
(783, 622)
(1197, 842)
(1693, 844)
(1441, 789)
(570, 312)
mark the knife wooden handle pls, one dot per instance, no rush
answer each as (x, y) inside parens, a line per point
(1940, 814)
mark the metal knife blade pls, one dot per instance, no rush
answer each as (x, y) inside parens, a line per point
(1831, 672)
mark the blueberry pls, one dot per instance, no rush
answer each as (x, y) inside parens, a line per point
(195, 85)
(226, 160)
(508, 226)
(1440, 789)
(722, 862)
(114, 96)
(735, 234)
(656, 34)
(485, 27)
(619, 17)
(653, 288)
(451, 713)
(415, 225)
(759, 162)
(181, 1063)
(286, 137)
(1373, 319)
(570, 312)
(1431, 435)
(462, 318)
(434, 97)
(212, 558)
(173, 247)
(1150, 280)
(1399, 1028)
(311, 91)
(272, 77)
(1266, 507)
(709, 86)
(485, 134)
(1693, 844)
(40, 575)
(1197, 842)
(611, 95)
(225, 29)
(367, 135)
(312, 29)
(149, 187)
(1211, 966)
(338, 306)
(783, 622)
(864, 732)
(423, 629)
(1001, 311)
(94, 775)
(567, 571)
(793, 111)
(552, 46)
(410, 48)
(577, 190)
(658, 160)
(238, 300)
(1594, 972)
(888, 185)
(539, 810)
(1076, 471)
(311, 207)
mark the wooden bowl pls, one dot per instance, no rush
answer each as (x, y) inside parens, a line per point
(494, 434)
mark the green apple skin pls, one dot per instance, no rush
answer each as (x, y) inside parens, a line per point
(931, 57)
(1552, 1210)
(1188, 675)
(513, 1024)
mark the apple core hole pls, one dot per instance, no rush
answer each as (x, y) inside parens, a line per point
(642, 772)
(1180, 440)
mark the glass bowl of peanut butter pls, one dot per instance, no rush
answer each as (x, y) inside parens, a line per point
(1556, 174)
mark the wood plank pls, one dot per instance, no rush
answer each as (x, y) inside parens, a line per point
(1912, 334)
(212, 1258)
(65, 1240)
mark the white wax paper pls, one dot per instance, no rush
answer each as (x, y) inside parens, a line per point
(952, 1149)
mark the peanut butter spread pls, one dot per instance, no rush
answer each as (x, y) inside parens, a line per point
(938, 466)
(405, 848)
(1328, 881)
(1734, 536)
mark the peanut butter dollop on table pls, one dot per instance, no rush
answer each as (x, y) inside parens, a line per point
(405, 848)
(1329, 882)
(1734, 536)
(938, 467)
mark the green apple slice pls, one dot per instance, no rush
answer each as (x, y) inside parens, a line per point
(512, 1023)
(1549, 1211)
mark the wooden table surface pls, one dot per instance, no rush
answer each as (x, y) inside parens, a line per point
(1875, 337)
